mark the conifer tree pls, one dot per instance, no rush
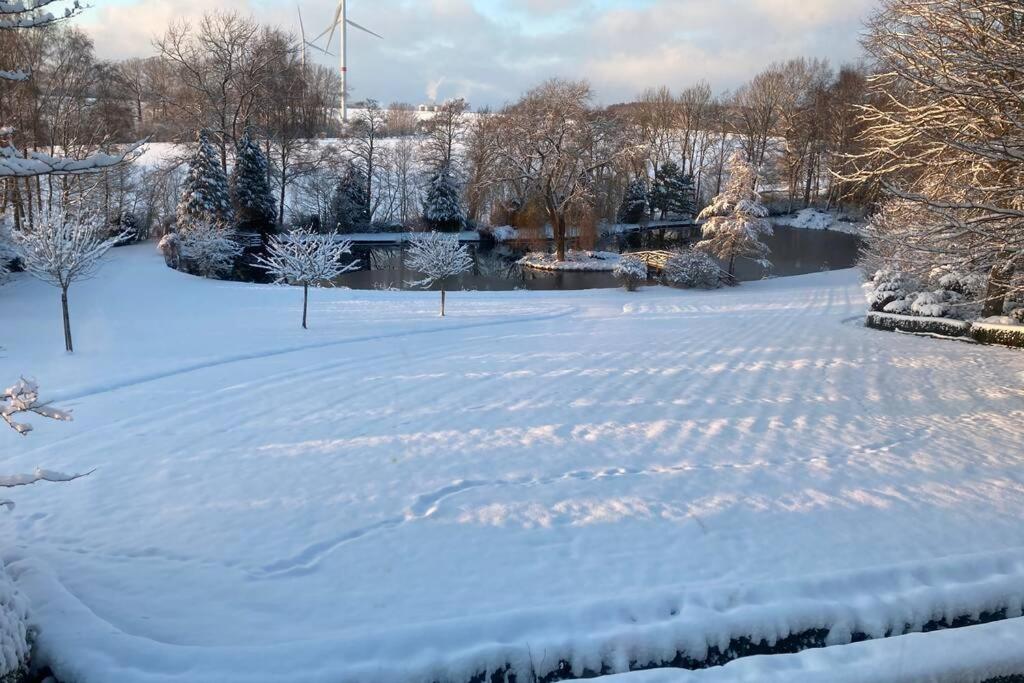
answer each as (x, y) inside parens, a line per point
(736, 220)
(672, 193)
(350, 205)
(442, 206)
(250, 189)
(634, 204)
(205, 196)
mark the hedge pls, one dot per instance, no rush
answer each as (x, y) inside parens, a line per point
(984, 333)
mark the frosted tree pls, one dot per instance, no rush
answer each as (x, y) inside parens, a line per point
(442, 205)
(208, 249)
(8, 252)
(735, 221)
(632, 270)
(62, 248)
(944, 140)
(672, 193)
(308, 259)
(205, 195)
(634, 203)
(437, 256)
(250, 189)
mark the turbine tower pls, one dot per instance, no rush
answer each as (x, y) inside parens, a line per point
(341, 19)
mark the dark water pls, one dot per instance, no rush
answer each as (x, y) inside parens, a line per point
(794, 252)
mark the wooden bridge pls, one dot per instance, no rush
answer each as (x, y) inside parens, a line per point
(656, 260)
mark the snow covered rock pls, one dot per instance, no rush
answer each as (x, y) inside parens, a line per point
(632, 271)
(693, 270)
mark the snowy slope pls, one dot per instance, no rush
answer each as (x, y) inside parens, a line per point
(600, 476)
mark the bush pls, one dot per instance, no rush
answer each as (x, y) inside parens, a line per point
(930, 305)
(693, 270)
(632, 271)
(902, 323)
(14, 647)
(1005, 335)
(971, 285)
(886, 287)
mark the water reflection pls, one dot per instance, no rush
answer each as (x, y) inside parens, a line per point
(794, 252)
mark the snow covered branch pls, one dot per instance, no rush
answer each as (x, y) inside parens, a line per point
(23, 398)
(13, 164)
(23, 15)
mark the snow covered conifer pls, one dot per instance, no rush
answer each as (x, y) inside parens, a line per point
(735, 221)
(62, 248)
(308, 259)
(634, 204)
(250, 189)
(672, 193)
(207, 249)
(205, 196)
(438, 256)
(442, 206)
(632, 270)
(350, 205)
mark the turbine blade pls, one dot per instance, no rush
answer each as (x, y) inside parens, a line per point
(320, 49)
(363, 28)
(302, 27)
(334, 25)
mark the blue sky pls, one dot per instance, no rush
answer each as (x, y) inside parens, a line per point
(491, 50)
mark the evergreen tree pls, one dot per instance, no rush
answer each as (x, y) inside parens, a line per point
(634, 204)
(350, 206)
(442, 207)
(673, 192)
(250, 189)
(205, 196)
(735, 223)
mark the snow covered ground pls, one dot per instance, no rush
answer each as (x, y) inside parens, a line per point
(597, 476)
(813, 219)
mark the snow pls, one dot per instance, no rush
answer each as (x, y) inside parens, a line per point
(815, 219)
(601, 476)
(592, 261)
(399, 237)
(976, 653)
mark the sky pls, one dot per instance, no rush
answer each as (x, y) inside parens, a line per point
(490, 51)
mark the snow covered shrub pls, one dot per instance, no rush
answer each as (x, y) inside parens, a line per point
(930, 304)
(693, 269)
(886, 287)
(899, 306)
(14, 646)
(969, 285)
(1017, 315)
(170, 248)
(632, 270)
(208, 250)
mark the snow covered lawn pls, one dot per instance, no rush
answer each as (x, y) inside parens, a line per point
(597, 476)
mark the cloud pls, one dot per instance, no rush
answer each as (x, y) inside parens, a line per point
(492, 50)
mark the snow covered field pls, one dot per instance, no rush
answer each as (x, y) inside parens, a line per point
(596, 476)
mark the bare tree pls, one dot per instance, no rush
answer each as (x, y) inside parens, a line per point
(444, 130)
(550, 145)
(366, 131)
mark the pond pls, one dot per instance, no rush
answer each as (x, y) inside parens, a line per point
(794, 252)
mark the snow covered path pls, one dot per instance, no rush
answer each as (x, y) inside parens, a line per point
(599, 476)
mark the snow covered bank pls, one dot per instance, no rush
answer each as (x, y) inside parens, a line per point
(814, 219)
(593, 261)
(598, 476)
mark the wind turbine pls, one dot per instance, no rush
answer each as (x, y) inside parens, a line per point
(306, 43)
(341, 19)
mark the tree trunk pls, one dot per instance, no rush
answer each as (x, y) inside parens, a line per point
(305, 303)
(560, 238)
(68, 344)
(998, 287)
(442, 303)
(732, 265)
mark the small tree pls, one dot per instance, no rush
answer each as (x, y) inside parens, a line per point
(735, 221)
(673, 193)
(634, 204)
(205, 195)
(250, 188)
(442, 206)
(693, 269)
(307, 259)
(64, 248)
(208, 250)
(438, 256)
